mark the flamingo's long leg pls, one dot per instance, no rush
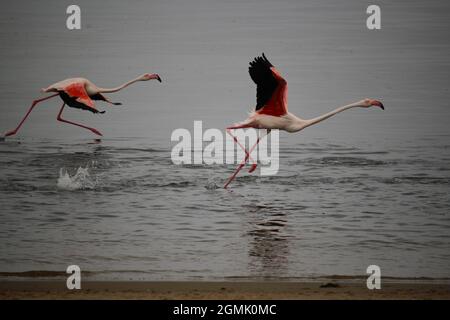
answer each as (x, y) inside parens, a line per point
(75, 124)
(35, 102)
(240, 145)
(241, 165)
(246, 124)
(231, 178)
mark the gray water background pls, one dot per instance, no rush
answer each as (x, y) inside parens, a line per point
(366, 187)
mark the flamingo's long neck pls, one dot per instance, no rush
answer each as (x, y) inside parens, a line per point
(310, 122)
(126, 84)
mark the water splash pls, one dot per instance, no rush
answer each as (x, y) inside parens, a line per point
(213, 184)
(81, 180)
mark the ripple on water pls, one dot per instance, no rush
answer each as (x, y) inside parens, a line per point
(346, 161)
(142, 199)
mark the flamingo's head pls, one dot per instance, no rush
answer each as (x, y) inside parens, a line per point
(150, 76)
(366, 103)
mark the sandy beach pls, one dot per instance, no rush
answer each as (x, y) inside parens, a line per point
(221, 290)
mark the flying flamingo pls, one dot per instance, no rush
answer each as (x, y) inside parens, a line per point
(271, 108)
(79, 93)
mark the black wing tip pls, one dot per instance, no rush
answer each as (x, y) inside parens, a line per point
(266, 60)
(261, 58)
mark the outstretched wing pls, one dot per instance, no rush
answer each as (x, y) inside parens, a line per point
(77, 91)
(75, 96)
(99, 96)
(266, 83)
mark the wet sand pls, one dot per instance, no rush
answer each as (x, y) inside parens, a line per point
(221, 290)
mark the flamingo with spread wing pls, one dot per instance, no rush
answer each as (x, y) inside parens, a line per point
(79, 93)
(271, 110)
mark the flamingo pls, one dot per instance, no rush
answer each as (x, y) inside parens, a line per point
(79, 93)
(271, 110)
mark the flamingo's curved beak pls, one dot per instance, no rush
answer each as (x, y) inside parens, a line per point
(158, 78)
(377, 103)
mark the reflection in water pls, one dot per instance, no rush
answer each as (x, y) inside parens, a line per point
(128, 210)
(269, 242)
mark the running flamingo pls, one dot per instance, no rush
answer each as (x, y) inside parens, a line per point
(271, 108)
(79, 93)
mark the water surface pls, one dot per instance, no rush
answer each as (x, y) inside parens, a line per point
(366, 187)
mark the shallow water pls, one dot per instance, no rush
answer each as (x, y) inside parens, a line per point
(332, 209)
(366, 187)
